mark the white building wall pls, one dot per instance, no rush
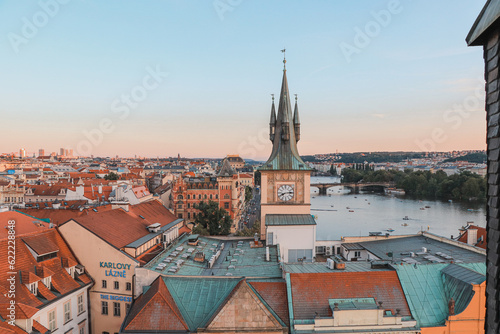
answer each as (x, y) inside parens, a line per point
(293, 237)
(42, 316)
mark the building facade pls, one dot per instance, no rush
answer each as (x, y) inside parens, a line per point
(285, 186)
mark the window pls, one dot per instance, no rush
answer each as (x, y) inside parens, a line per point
(180, 197)
(52, 320)
(188, 205)
(226, 205)
(129, 286)
(81, 327)
(357, 253)
(80, 304)
(179, 206)
(116, 309)
(104, 308)
(226, 196)
(216, 196)
(117, 285)
(199, 196)
(67, 312)
(188, 196)
(104, 284)
(127, 307)
(189, 215)
(205, 197)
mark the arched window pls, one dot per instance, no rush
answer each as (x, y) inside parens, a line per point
(199, 196)
(205, 197)
(210, 196)
(180, 197)
(189, 196)
(226, 196)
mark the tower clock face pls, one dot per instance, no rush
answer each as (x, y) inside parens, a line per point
(285, 192)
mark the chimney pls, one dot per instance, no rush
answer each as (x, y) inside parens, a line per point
(471, 236)
(100, 189)
(451, 307)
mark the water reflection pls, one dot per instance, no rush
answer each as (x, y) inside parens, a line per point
(342, 213)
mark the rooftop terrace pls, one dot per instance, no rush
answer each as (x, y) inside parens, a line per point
(222, 258)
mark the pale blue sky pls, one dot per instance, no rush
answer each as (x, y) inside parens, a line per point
(63, 78)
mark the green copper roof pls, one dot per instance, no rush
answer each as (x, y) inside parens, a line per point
(457, 285)
(277, 220)
(428, 288)
(199, 297)
(284, 155)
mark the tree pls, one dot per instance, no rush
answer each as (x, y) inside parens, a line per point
(213, 219)
(111, 176)
(248, 193)
(249, 232)
(256, 177)
(333, 170)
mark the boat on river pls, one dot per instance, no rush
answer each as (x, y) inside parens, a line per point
(406, 218)
(404, 224)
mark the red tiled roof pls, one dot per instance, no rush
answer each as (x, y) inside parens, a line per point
(23, 224)
(60, 216)
(310, 292)
(141, 191)
(274, 294)
(120, 228)
(25, 311)
(184, 229)
(38, 327)
(156, 310)
(5, 328)
(28, 277)
(62, 282)
(481, 234)
(40, 245)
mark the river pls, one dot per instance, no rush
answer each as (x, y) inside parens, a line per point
(372, 212)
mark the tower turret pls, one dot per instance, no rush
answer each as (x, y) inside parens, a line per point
(296, 121)
(272, 122)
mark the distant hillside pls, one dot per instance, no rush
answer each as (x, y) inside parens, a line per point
(473, 157)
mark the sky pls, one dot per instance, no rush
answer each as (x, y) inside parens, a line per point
(195, 78)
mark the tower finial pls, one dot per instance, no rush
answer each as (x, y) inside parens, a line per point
(295, 97)
(284, 58)
(272, 96)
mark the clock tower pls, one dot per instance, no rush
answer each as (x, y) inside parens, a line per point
(285, 185)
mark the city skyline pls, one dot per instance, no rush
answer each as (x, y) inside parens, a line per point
(196, 79)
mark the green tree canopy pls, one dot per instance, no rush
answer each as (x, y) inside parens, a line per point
(111, 176)
(213, 219)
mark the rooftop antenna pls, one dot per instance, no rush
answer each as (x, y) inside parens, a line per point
(284, 59)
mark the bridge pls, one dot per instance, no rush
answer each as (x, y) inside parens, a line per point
(356, 187)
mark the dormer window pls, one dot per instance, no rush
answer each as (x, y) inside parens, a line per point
(33, 287)
(47, 281)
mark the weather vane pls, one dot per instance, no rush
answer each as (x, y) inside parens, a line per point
(284, 58)
(272, 96)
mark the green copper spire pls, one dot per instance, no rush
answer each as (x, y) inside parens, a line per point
(285, 155)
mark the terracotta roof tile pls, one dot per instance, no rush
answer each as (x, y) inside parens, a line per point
(481, 235)
(25, 311)
(5, 328)
(25, 262)
(23, 224)
(120, 228)
(155, 310)
(275, 295)
(38, 327)
(310, 292)
(40, 245)
(28, 277)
